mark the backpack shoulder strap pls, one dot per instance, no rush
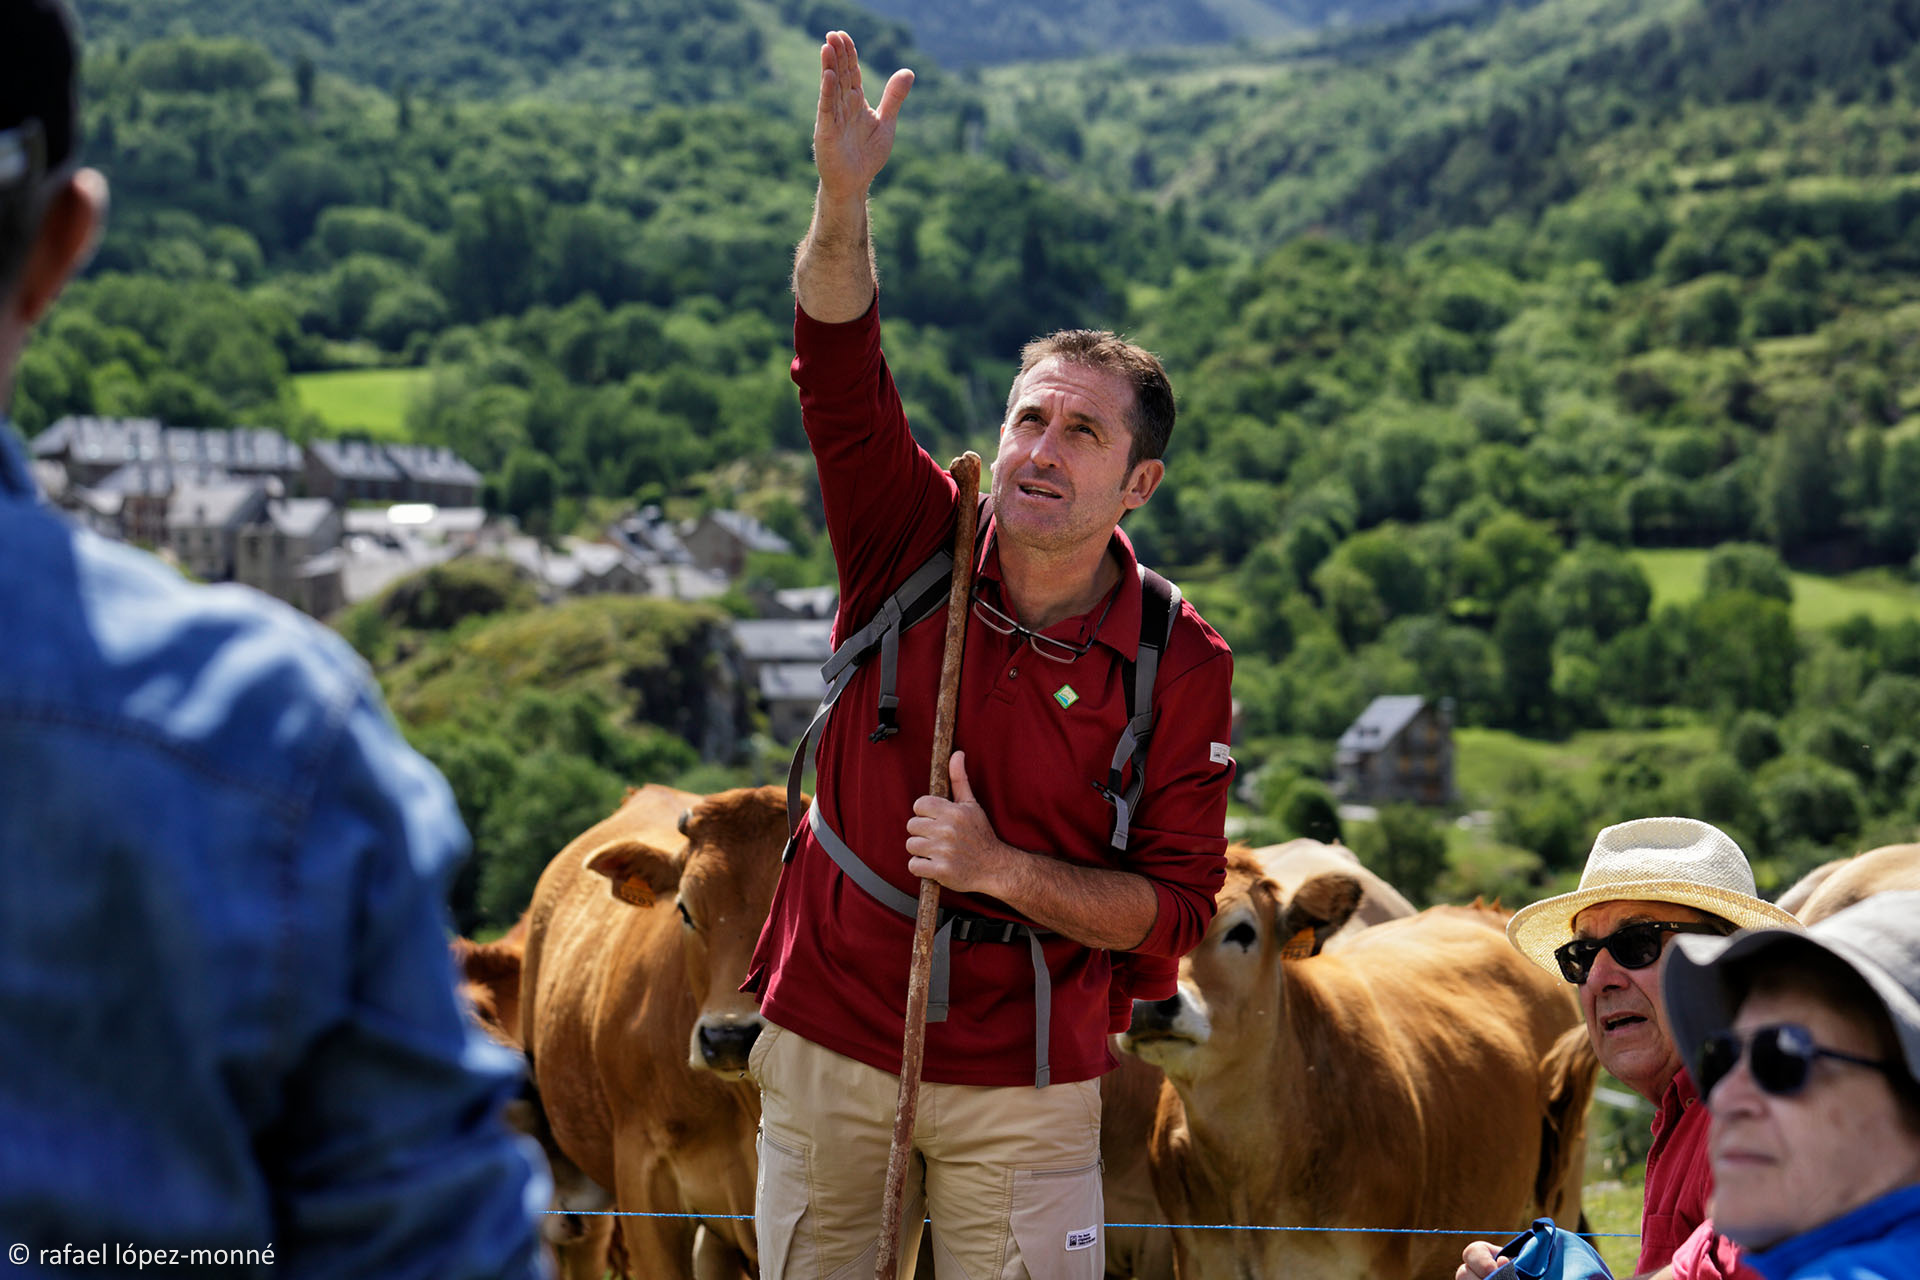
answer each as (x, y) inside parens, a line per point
(922, 595)
(1159, 609)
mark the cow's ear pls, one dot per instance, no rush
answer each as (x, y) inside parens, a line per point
(639, 873)
(1320, 906)
(490, 964)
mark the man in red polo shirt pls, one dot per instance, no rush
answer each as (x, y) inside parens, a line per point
(1055, 884)
(1645, 882)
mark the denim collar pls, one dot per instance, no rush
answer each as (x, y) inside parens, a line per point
(16, 477)
(1871, 1222)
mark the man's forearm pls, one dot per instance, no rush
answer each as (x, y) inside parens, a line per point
(833, 272)
(1108, 910)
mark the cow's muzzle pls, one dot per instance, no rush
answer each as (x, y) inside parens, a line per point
(1151, 1017)
(724, 1045)
(1167, 1032)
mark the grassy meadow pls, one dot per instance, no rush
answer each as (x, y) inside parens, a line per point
(373, 401)
(1677, 575)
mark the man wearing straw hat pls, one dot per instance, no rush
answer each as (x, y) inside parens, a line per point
(1645, 882)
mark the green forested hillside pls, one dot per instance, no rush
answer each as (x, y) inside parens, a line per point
(1473, 324)
(976, 32)
(1500, 111)
(634, 52)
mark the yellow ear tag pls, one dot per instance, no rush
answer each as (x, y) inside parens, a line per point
(1299, 946)
(634, 891)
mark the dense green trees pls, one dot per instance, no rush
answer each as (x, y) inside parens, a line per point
(1463, 317)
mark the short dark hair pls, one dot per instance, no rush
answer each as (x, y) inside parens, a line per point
(1153, 410)
(39, 119)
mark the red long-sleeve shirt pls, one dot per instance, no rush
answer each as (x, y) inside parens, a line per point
(1674, 1227)
(832, 962)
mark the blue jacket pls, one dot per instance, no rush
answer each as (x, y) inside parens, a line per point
(227, 1016)
(1878, 1241)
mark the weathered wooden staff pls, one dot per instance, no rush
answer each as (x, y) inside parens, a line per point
(966, 473)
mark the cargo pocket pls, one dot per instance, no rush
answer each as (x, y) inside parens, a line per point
(779, 1203)
(757, 1053)
(1056, 1224)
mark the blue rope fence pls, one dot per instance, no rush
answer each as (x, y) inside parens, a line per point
(1495, 1234)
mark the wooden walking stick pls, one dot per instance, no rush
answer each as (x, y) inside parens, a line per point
(966, 473)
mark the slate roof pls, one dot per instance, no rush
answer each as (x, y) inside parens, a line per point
(651, 537)
(809, 602)
(299, 517)
(1381, 722)
(117, 441)
(156, 478)
(783, 640)
(355, 459)
(791, 682)
(751, 533)
(215, 506)
(432, 464)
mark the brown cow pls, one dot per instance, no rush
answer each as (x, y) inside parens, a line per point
(1843, 883)
(1293, 863)
(580, 1232)
(638, 939)
(1796, 895)
(1130, 1095)
(1413, 1078)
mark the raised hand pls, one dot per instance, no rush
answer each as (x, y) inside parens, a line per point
(851, 140)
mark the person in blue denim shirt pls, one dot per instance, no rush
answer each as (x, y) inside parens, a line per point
(1806, 1046)
(227, 1013)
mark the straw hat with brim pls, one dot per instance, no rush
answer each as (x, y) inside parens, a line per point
(1678, 860)
(1878, 938)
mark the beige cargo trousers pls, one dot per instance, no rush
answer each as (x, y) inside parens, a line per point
(1010, 1176)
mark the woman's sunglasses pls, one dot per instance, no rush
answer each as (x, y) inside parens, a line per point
(1633, 946)
(1779, 1058)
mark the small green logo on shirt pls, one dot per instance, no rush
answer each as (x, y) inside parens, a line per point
(1065, 695)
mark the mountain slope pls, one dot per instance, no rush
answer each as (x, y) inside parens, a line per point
(680, 51)
(1442, 121)
(983, 32)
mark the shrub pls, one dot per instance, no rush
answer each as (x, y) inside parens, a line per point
(1407, 848)
(1753, 739)
(1808, 799)
(1308, 810)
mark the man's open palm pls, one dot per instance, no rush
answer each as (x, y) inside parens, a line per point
(851, 141)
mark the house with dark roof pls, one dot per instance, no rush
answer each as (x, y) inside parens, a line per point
(720, 541)
(436, 474)
(204, 524)
(649, 537)
(1400, 751)
(92, 448)
(790, 692)
(145, 490)
(800, 602)
(771, 641)
(271, 551)
(353, 471)
(780, 658)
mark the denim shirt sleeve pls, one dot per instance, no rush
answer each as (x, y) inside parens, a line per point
(227, 1009)
(390, 1156)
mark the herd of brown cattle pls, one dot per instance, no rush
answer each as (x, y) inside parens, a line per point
(1333, 1059)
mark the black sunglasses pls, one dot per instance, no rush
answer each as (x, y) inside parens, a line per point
(1780, 1058)
(1634, 946)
